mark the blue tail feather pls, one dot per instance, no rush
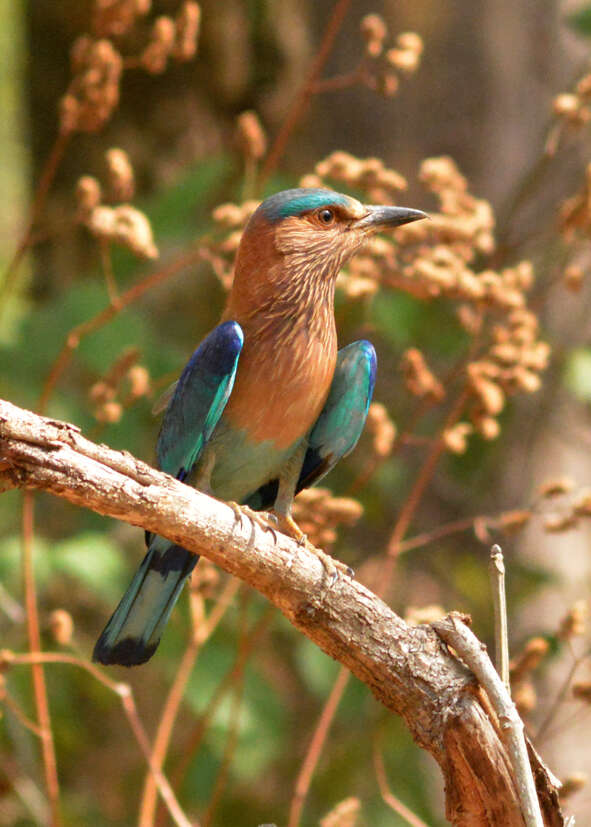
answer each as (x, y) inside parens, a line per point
(134, 630)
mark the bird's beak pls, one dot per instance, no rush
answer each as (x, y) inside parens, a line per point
(384, 218)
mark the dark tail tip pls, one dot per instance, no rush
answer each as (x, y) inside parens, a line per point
(126, 652)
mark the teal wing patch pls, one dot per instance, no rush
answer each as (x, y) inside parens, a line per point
(199, 399)
(341, 421)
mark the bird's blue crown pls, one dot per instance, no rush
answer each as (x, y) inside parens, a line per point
(298, 201)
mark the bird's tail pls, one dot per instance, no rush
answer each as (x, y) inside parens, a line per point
(133, 632)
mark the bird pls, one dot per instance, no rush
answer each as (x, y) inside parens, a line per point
(266, 404)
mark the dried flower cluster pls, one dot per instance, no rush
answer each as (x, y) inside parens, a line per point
(172, 39)
(319, 514)
(574, 108)
(575, 213)
(573, 511)
(124, 383)
(382, 430)
(419, 380)
(385, 64)
(521, 669)
(97, 64)
(94, 90)
(573, 623)
(114, 18)
(431, 259)
(122, 224)
(536, 650)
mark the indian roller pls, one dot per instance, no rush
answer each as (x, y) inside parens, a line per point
(266, 405)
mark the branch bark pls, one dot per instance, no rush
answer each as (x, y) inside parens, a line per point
(408, 669)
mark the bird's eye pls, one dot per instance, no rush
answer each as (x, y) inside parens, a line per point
(326, 216)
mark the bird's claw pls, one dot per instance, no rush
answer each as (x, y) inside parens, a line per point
(332, 567)
(287, 525)
(261, 518)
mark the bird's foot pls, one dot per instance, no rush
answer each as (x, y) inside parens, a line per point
(261, 518)
(287, 525)
(273, 521)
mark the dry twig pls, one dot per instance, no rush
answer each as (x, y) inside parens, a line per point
(456, 634)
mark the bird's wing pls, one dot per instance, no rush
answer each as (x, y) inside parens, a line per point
(199, 399)
(341, 421)
(339, 425)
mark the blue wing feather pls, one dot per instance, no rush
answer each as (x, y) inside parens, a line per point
(341, 421)
(199, 399)
(195, 407)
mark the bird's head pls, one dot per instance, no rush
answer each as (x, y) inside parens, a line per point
(306, 235)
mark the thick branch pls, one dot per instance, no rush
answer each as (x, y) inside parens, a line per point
(407, 668)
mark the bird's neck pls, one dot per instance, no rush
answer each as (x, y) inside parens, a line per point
(277, 296)
(289, 352)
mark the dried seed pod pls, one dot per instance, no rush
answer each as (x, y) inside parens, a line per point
(489, 394)
(403, 59)
(381, 427)
(513, 521)
(573, 623)
(162, 40)
(572, 784)
(102, 392)
(556, 487)
(120, 174)
(61, 626)
(251, 136)
(187, 31)
(582, 691)
(342, 510)
(374, 32)
(410, 42)
(488, 427)
(534, 651)
(113, 18)
(109, 412)
(570, 107)
(525, 698)
(139, 380)
(88, 195)
(573, 278)
(456, 438)
(126, 226)
(557, 523)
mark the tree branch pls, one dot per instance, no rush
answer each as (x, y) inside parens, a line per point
(408, 669)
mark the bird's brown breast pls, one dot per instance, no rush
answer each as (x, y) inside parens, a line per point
(283, 378)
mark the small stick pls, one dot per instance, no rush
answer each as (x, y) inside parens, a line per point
(497, 576)
(456, 634)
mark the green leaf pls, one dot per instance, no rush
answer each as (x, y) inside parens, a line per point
(580, 21)
(578, 373)
(318, 671)
(94, 560)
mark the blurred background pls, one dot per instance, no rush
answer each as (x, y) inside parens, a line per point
(497, 86)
